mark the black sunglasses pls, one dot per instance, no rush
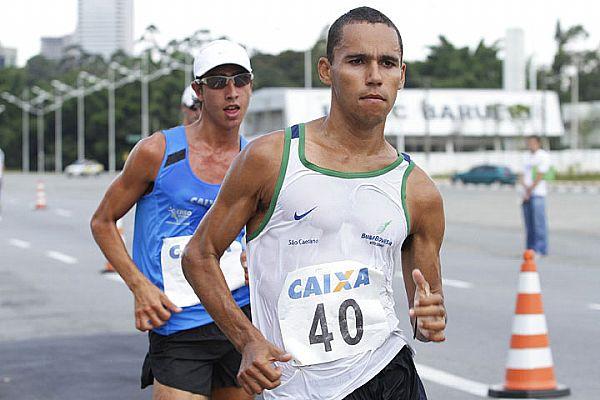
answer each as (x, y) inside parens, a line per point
(219, 82)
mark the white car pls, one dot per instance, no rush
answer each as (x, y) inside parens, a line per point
(84, 168)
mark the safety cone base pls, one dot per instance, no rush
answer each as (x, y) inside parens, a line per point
(501, 391)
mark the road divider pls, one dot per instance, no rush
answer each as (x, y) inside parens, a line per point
(529, 367)
(40, 197)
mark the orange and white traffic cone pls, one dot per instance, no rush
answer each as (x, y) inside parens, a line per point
(529, 368)
(40, 196)
(108, 268)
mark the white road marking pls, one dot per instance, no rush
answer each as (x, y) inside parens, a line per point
(61, 257)
(22, 244)
(594, 306)
(453, 381)
(61, 212)
(457, 283)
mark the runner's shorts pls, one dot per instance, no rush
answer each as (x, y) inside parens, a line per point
(195, 360)
(397, 381)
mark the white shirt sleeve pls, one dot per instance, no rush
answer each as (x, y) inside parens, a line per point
(542, 161)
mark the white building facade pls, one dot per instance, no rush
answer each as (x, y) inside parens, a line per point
(54, 48)
(105, 26)
(438, 120)
(8, 57)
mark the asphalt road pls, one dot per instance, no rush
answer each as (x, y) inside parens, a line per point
(67, 330)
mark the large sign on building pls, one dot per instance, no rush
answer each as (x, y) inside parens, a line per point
(418, 112)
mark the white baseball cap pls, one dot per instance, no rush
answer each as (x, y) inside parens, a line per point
(188, 98)
(220, 52)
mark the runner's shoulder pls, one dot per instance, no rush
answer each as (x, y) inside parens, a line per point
(422, 191)
(150, 150)
(145, 158)
(264, 151)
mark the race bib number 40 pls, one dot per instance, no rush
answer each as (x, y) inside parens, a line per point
(331, 311)
(177, 288)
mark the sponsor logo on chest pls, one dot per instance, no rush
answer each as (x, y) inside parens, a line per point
(378, 239)
(326, 283)
(202, 201)
(178, 216)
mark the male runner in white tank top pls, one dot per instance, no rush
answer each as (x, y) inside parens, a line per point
(336, 218)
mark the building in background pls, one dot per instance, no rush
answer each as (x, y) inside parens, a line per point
(587, 117)
(103, 27)
(514, 63)
(451, 120)
(8, 56)
(54, 48)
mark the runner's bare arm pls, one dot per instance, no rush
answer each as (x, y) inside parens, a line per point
(421, 266)
(133, 182)
(243, 199)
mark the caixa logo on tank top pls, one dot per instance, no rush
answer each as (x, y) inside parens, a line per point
(329, 282)
(202, 201)
(378, 239)
(178, 216)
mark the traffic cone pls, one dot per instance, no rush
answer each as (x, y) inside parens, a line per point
(40, 197)
(108, 268)
(529, 368)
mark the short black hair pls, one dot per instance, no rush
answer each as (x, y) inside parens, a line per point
(358, 15)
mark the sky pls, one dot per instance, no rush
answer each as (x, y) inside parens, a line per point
(273, 26)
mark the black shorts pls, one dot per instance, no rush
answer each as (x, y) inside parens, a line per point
(398, 381)
(195, 360)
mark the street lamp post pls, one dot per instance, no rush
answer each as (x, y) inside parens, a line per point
(574, 104)
(112, 85)
(144, 84)
(58, 101)
(427, 141)
(81, 92)
(308, 68)
(39, 101)
(111, 119)
(80, 118)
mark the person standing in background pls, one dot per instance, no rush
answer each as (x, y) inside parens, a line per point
(536, 165)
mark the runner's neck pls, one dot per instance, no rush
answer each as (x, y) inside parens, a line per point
(357, 138)
(204, 132)
(344, 135)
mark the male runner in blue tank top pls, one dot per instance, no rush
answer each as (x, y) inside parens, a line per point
(173, 178)
(332, 220)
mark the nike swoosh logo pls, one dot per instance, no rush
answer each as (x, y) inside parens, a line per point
(299, 217)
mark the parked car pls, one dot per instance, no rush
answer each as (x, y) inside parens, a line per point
(84, 168)
(486, 174)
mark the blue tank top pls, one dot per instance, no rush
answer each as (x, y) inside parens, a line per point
(175, 206)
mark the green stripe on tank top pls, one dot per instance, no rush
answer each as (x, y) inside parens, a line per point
(403, 195)
(339, 174)
(282, 170)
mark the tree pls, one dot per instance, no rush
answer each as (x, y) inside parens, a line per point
(447, 66)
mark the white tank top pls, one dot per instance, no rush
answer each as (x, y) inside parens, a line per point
(321, 265)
